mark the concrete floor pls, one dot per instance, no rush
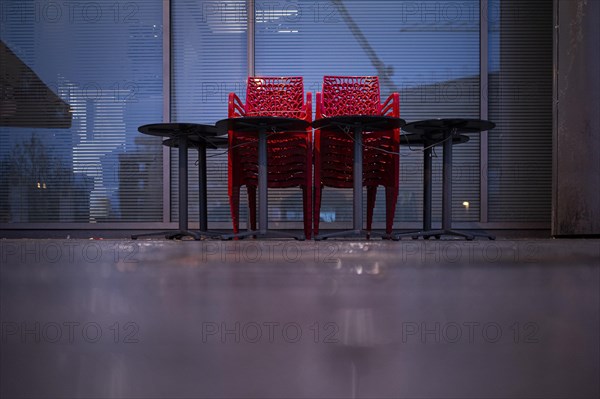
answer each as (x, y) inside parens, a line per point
(285, 319)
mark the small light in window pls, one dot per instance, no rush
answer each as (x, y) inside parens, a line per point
(39, 185)
(466, 204)
(44, 186)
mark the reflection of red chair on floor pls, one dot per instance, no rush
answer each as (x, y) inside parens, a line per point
(334, 154)
(289, 153)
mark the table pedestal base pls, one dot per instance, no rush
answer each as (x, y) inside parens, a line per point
(360, 233)
(170, 235)
(264, 234)
(179, 234)
(426, 234)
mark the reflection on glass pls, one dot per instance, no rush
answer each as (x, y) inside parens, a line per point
(77, 81)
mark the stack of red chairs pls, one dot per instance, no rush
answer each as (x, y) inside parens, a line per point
(289, 153)
(356, 95)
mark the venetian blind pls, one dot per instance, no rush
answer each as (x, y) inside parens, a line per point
(520, 102)
(209, 60)
(77, 81)
(428, 51)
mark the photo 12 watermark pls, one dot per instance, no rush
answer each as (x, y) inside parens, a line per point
(335, 332)
(70, 12)
(22, 252)
(268, 251)
(254, 332)
(470, 332)
(69, 332)
(468, 253)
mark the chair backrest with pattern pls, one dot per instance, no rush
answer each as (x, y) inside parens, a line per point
(275, 96)
(350, 95)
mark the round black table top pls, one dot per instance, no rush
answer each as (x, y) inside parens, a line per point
(253, 123)
(178, 129)
(435, 139)
(195, 141)
(443, 125)
(370, 123)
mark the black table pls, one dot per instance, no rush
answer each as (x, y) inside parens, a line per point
(428, 143)
(262, 125)
(357, 124)
(181, 133)
(202, 142)
(434, 132)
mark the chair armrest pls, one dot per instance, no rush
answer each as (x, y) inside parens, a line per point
(391, 106)
(236, 107)
(319, 110)
(308, 107)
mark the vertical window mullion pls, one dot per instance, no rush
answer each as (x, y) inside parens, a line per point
(251, 35)
(483, 101)
(167, 54)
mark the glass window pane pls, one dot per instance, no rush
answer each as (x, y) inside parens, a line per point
(83, 77)
(428, 51)
(520, 102)
(209, 55)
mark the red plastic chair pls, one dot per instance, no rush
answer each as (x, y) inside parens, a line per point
(334, 154)
(289, 153)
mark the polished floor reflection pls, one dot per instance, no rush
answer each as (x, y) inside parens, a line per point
(286, 319)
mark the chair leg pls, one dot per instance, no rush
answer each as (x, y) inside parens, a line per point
(317, 209)
(308, 189)
(252, 206)
(371, 196)
(391, 198)
(306, 207)
(234, 204)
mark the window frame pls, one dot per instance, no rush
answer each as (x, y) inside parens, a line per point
(167, 223)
